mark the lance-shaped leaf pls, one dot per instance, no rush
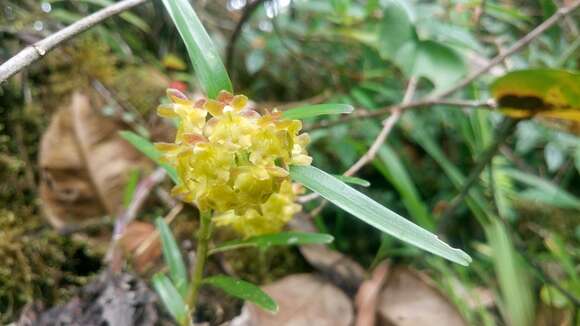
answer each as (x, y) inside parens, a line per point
(277, 239)
(170, 297)
(311, 111)
(373, 213)
(352, 180)
(149, 150)
(172, 256)
(203, 54)
(545, 93)
(243, 290)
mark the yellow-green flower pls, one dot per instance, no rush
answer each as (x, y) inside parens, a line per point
(235, 161)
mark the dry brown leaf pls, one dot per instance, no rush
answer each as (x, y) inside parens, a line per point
(136, 233)
(340, 269)
(84, 164)
(304, 300)
(409, 299)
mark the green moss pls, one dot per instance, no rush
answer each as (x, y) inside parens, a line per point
(37, 264)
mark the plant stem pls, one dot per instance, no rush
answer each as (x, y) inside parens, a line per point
(203, 237)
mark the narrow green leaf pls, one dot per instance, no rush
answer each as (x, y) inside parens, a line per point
(149, 150)
(511, 273)
(277, 239)
(130, 187)
(243, 290)
(311, 111)
(373, 213)
(170, 297)
(352, 180)
(543, 191)
(203, 54)
(172, 256)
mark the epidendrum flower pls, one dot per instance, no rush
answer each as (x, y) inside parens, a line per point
(234, 162)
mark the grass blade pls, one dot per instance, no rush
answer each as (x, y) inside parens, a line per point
(243, 290)
(311, 111)
(373, 213)
(203, 54)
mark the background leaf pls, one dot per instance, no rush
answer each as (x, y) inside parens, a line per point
(203, 54)
(243, 290)
(542, 92)
(373, 213)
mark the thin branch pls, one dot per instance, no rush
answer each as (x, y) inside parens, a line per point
(388, 125)
(39, 49)
(436, 99)
(365, 114)
(519, 45)
(141, 194)
(249, 10)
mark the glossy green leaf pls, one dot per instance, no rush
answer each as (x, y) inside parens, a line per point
(203, 54)
(373, 213)
(172, 256)
(352, 180)
(170, 297)
(277, 239)
(310, 111)
(547, 93)
(149, 150)
(243, 290)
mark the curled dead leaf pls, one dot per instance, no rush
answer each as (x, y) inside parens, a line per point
(135, 235)
(410, 299)
(84, 164)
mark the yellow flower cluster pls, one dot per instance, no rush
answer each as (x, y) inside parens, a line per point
(235, 162)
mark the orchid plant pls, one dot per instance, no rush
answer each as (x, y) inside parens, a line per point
(243, 170)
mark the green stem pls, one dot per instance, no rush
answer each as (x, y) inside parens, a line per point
(203, 237)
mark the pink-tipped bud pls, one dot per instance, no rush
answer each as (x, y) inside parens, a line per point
(225, 97)
(176, 96)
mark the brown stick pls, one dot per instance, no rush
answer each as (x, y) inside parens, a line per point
(39, 49)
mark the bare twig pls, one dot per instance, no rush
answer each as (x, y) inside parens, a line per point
(39, 49)
(388, 125)
(142, 192)
(519, 45)
(365, 114)
(249, 10)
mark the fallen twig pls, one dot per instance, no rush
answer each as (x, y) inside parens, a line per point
(39, 49)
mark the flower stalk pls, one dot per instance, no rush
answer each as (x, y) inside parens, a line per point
(203, 237)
